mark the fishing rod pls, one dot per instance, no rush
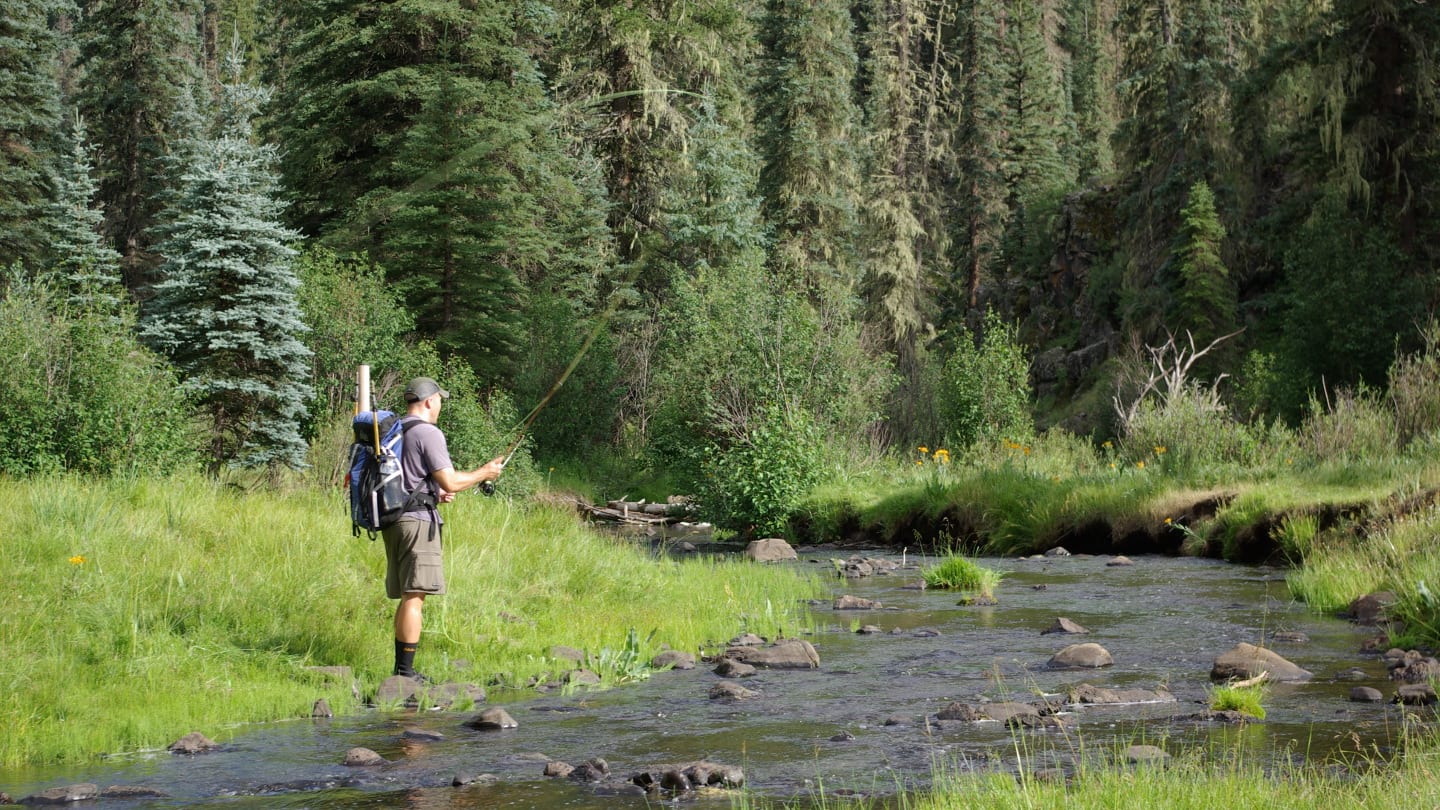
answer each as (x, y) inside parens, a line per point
(523, 426)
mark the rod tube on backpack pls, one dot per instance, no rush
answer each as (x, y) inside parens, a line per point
(362, 390)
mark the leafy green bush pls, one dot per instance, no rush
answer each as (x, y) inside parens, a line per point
(82, 394)
(962, 574)
(986, 387)
(756, 481)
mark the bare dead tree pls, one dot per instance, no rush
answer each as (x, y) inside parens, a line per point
(1167, 373)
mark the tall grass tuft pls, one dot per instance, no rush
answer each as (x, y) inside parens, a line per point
(1247, 700)
(146, 609)
(963, 574)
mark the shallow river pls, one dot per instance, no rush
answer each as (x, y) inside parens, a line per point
(1164, 620)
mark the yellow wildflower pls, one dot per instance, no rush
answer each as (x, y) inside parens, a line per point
(922, 448)
(1160, 450)
(1112, 465)
(1140, 464)
(78, 559)
(1168, 521)
(1107, 445)
(1027, 451)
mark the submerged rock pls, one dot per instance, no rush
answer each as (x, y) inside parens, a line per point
(193, 743)
(64, 795)
(1366, 694)
(688, 776)
(592, 770)
(848, 602)
(1248, 661)
(131, 792)
(729, 690)
(1086, 694)
(362, 758)
(1004, 712)
(492, 719)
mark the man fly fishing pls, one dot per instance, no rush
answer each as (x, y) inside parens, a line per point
(413, 562)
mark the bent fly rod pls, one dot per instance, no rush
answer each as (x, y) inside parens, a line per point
(523, 426)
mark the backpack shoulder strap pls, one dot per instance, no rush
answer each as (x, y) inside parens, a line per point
(430, 498)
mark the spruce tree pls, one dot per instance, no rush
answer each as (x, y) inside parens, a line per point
(981, 210)
(77, 253)
(1206, 306)
(225, 309)
(137, 56)
(29, 117)
(809, 137)
(1091, 93)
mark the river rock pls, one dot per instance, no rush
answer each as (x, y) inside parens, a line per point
(1352, 674)
(558, 768)
(1120, 560)
(64, 795)
(848, 602)
(131, 792)
(1366, 694)
(492, 719)
(869, 630)
(1086, 656)
(674, 659)
(1227, 716)
(786, 654)
(193, 743)
(976, 712)
(1415, 694)
(747, 640)
(729, 690)
(1086, 694)
(1058, 551)
(1415, 668)
(1141, 754)
(1247, 661)
(321, 709)
(398, 689)
(1291, 637)
(1372, 608)
(592, 770)
(421, 735)
(729, 668)
(689, 776)
(560, 652)
(448, 694)
(582, 677)
(464, 778)
(1064, 625)
(771, 549)
(362, 758)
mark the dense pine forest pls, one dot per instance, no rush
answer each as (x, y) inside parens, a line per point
(868, 224)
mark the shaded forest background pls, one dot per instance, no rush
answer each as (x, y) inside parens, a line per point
(776, 219)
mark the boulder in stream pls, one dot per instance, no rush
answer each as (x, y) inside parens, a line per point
(1086, 694)
(1083, 656)
(362, 758)
(784, 654)
(771, 549)
(673, 659)
(1415, 694)
(1248, 661)
(1372, 608)
(848, 602)
(1064, 625)
(729, 690)
(688, 776)
(492, 719)
(193, 743)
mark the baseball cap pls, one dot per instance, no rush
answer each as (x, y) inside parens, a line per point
(424, 388)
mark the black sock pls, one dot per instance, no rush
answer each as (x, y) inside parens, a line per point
(405, 657)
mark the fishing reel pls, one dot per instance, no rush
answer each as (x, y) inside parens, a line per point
(487, 487)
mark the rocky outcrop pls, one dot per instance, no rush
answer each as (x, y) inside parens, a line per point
(687, 777)
(1248, 661)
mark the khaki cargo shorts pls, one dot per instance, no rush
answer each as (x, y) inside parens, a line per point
(413, 563)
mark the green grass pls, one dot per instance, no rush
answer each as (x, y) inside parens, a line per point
(1190, 780)
(143, 610)
(1244, 699)
(963, 574)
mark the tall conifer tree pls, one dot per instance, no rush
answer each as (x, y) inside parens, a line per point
(29, 117)
(77, 253)
(981, 193)
(809, 137)
(225, 309)
(138, 56)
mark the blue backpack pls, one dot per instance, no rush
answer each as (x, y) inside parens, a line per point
(377, 488)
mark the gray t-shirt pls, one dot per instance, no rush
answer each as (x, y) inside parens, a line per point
(425, 452)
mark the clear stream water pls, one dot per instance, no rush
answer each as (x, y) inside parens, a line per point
(1164, 620)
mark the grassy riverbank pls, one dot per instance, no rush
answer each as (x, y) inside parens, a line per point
(1349, 526)
(142, 610)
